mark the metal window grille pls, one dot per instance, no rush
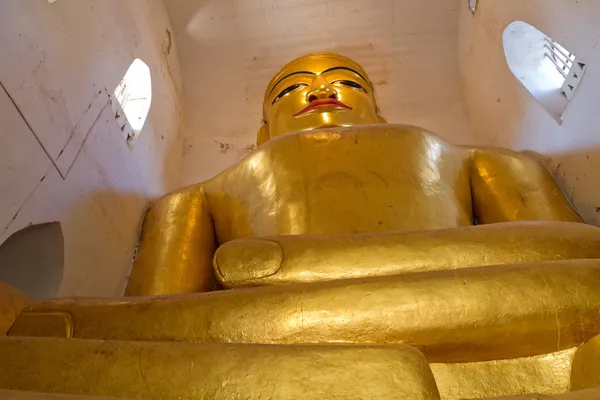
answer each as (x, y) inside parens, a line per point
(561, 58)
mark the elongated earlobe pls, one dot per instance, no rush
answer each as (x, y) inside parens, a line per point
(263, 135)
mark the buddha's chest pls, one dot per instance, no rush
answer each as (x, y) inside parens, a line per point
(349, 181)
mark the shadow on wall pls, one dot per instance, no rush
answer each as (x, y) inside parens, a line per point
(576, 172)
(32, 260)
(101, 233)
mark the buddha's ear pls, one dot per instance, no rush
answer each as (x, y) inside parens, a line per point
(380, 119)
(263, 135)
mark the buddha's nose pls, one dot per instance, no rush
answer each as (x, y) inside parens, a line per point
(321, 89)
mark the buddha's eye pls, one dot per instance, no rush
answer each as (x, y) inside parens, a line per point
(288, 90)
(351, 84)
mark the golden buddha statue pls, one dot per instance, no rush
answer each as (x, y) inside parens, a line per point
(361, 260)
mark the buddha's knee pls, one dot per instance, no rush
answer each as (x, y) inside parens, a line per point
(586, 366)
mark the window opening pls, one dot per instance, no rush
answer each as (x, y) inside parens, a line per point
(133, 97)
(549, 71)
(472, 5)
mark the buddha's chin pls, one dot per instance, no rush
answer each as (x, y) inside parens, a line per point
(325, 126)
(331, 120)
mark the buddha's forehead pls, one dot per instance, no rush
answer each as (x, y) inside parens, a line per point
(318, 64)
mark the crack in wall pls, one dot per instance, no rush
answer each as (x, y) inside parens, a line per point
(54, 163)
(32, 131)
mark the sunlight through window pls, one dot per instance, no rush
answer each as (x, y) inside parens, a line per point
(547, 69)
(472, 5)
(133, 97)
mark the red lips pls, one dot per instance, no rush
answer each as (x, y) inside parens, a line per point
(323, 103)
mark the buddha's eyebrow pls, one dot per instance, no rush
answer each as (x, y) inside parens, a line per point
(346, 69)
(287, 76)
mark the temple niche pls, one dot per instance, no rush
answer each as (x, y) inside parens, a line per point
(350, 200)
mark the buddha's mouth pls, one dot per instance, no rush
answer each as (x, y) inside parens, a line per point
(323, 103)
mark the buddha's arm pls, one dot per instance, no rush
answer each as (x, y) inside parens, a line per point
(176, 247)
(315, 258)
(510, 186)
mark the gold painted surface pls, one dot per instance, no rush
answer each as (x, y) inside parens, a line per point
(212, 372)
(586, 366)
(589, 394)
(12, 301)
(451, 316)
(548, 373)
(175, 251)
(19, 395)
(508, 186)
(46, 324)
(365, 179)
(314, 258)
(317, 183)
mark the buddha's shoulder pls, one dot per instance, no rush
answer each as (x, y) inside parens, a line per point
(301, 147)
(355, 135)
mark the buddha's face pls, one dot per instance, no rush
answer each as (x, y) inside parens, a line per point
(317, 91)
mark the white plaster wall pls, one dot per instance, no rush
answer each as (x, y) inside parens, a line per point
(230, 49)
(503, 112)
(58, 64)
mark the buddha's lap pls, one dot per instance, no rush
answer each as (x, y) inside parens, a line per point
(472, 314)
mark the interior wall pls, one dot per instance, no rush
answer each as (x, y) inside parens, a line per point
(504, 113)
(230, 50)
(62, 153)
